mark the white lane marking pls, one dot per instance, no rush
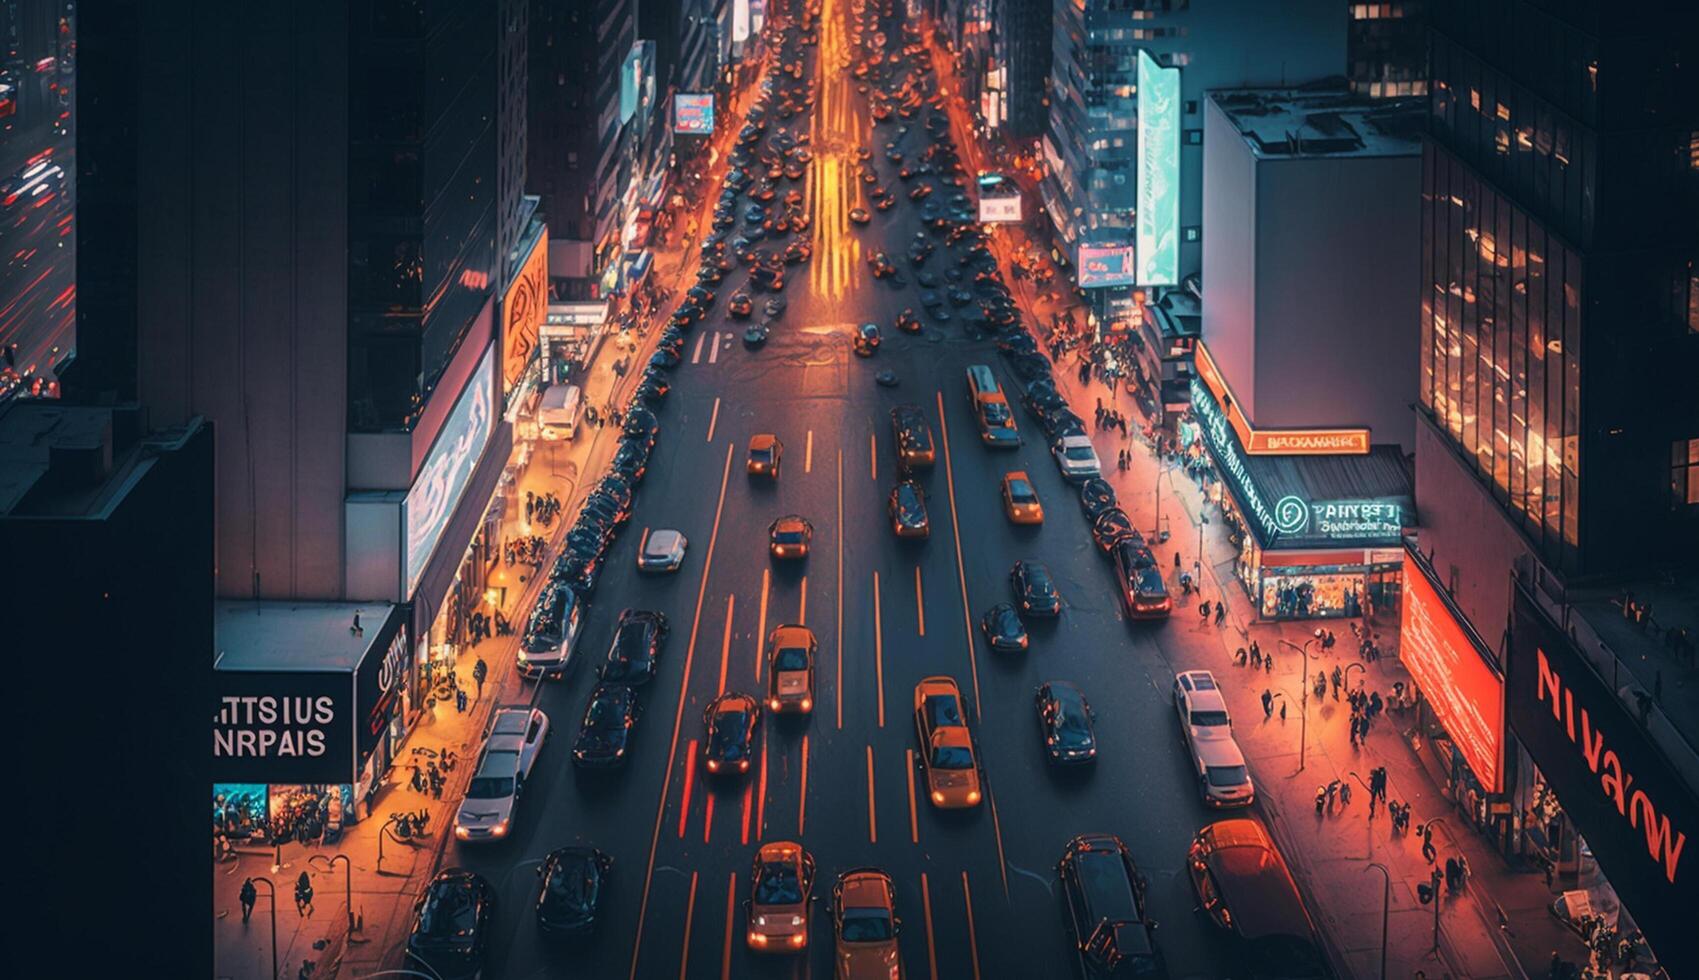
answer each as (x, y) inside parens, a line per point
(712, 419)
(696, 352)
(714, 351)
(808, 454)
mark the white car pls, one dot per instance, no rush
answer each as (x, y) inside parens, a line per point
(661, 550)
(1223, 778)
(546, 648)
(518, 726)
(511, 745)
(1202, 709)
(1076, 459)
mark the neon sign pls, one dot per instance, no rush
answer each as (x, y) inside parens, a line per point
(1231, 462)
(1158, 223)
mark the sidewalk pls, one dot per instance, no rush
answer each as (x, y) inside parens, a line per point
(382, 898)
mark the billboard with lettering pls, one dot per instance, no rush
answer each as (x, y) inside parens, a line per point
(1454, 672)
(1635, 811)
(693, 113)
(1158, 224)
(523, 310)
(1105, 265)
(448, 468)
(283, 726)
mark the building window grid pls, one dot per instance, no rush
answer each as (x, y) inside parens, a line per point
(1684, 473)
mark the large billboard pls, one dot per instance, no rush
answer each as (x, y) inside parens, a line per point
(740, 20)
(1454, 674)
(1105, 265)
(693, 114)
(1158, 226)
(523, 310)
(280, 726)
(448, 468)
(1634, 810)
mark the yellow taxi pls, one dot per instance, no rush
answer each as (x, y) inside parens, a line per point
(946, 745)
(1020, 499)
(790, 669)
(865, 926)
(779, 888)
(765, 453)
(788, 536)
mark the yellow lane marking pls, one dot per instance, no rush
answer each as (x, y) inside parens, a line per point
(926, 903)
(972, 939)
(872, 824)
(689, 913)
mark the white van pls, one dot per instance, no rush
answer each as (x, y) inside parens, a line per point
(557, 415)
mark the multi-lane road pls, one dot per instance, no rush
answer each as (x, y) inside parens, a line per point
(976, 889)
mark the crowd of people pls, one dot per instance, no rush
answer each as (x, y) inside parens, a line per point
(541, 509)
(529, 549)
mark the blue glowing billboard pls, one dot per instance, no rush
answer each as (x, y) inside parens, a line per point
(1158, 232)
(693, 114)
(448, 468)
(1105, 265)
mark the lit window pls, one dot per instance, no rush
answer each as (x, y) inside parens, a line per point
(1684, 473)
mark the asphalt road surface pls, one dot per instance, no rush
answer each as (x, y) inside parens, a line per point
(976, 889)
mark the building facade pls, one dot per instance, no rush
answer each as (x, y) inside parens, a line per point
(1091, 143)
(1387, 48)
(1558, 429)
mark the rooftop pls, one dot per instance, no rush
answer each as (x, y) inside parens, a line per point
(1302, 122)
(59, 460)
(294, 636)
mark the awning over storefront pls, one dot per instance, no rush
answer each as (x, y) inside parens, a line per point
(1313, 501)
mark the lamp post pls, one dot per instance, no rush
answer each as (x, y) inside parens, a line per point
(347, 881)
(1303, 697)
(1435, 876)
(1385, 908)
(271, 891)
(1354, 665)
(1203, 522)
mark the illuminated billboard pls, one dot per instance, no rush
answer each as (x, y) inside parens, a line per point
(523, 310)
(448, 468)
(1158, 231)
(1454, 674)
(693, 114)
(1000, 210)
(740, 20)
(1105, 265)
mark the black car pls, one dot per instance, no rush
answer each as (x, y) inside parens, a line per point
(1035, 591)
(1065, 721)
(1105, 898)
(635, 655)
(605, 733)
(632, 460)
(907, 508)
(574, 879)
(640, 423)
(728, 743)
(1003, 628)
(451, 924)
(1096, 496)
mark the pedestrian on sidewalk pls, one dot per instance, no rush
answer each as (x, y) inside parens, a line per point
(303, 895)
(1221, 612)
(248, 897)
(418, 780)
(1429, 852)
(1203, 611)
(480, 670)
(1344, 793)
(1239, 657)
(1268, 663)
(1283, 709)
(1256, 655)
(460, 700)
(1267, 703)
(1338, 679)
(1177, 568)
(530, 505)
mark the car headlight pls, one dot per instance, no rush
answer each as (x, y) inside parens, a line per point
(500, 829)
(743, 765)
(796, 920)
(807, 704)
(937, 796)
(461, 833)
(713, 765)
(973, 796)
(773, 704)
(799, 938)
(757, 939)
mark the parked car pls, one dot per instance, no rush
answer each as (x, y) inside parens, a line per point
(1246, 890)
(451, 925)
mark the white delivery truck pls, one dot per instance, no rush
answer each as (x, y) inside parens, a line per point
(557, 415)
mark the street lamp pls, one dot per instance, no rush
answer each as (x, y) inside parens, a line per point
(1385, 908)
(1435, 875)
(347, 884)
(1303, 697)
(1203, 522)
(271, 890)
(1358, 665)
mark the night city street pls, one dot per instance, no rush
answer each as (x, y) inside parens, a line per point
(858, 488)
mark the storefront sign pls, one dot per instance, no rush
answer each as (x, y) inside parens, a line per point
(1158, 220)
(283, 727)
(448, 468)
(378, 685)
(693, 114)
(1224, 447)
(1000, 210)
(1454, 673)
(1636, 813)
(1105, 265)
(1275, 442)
(1339, 520)
(523, 310)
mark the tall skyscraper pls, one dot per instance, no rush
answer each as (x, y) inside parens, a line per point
(1091, 147)
(1387, 48)
(1557, 443)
